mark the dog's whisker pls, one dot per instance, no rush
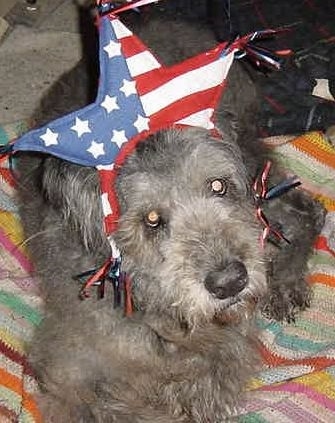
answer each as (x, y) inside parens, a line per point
(38, 234)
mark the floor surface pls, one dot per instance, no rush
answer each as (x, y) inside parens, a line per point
(42, 41)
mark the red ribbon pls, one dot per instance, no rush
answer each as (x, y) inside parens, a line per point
(128, 297)
(260, 190)
(129, 6)
(98, 276)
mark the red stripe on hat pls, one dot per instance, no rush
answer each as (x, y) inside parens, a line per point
(107, 184)
(132, 45)
(185, 107)
(154, 79)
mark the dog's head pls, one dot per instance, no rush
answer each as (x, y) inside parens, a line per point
(187, 230)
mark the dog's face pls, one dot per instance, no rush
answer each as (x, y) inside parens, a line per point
(188, 233)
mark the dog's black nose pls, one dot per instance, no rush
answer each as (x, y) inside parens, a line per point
(227, 282)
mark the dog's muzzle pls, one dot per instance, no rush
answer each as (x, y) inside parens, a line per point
(227, 282)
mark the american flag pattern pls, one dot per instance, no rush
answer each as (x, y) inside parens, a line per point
(137, 96)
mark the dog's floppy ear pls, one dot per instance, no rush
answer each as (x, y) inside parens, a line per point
(74, 191)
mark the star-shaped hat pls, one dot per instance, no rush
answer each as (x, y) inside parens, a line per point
(137, 96)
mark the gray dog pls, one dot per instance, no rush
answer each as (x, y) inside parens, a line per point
(190, 243)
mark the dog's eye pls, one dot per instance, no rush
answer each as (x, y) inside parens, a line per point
(153, 219)
(218, 186)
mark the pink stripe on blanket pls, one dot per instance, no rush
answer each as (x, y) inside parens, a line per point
(305, 390)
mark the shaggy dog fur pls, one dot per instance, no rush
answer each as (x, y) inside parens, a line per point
(198, 276)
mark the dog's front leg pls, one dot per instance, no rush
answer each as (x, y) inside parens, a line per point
(300, 218)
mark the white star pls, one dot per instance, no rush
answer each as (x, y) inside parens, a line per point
(113, 49)
(96, 149)
(81, 127)
(110, 104)
(128, 87)
(50, 138)
(141, 123)
(119, 137)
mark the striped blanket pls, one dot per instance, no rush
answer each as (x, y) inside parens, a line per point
(20, 304)
(297, 383)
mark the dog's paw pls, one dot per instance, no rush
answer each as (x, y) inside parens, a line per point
(283, 305)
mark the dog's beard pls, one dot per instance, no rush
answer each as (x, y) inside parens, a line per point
(188, 300)
(238, 308)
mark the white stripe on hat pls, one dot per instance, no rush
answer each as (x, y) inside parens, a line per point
(106, 207)
(201, 119)
(142, 63)
(115, 251)
(197, 80)
(121, 31)
(106, 167)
